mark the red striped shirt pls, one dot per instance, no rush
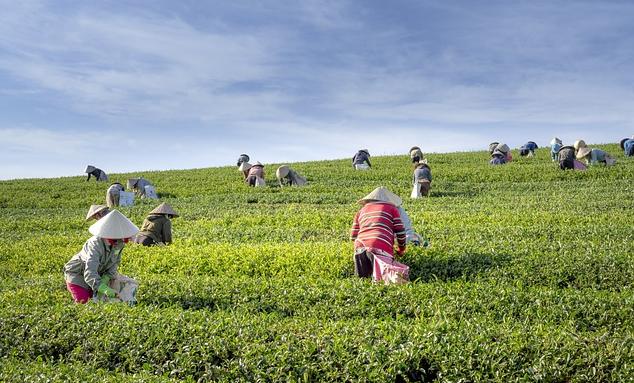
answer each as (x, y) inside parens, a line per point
(376, 225)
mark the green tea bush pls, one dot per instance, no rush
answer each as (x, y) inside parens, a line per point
(528, 278)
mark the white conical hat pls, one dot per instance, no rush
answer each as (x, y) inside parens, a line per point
(382, 194)
(94, 209)
(504, 148)
(244, 166)
(579, 144)
(583, 151)
(114, 226)
(282, 171)
(555, 140)
(257, 163)
(164, 209)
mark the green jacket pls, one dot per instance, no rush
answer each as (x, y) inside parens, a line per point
(158, 227)
(96, 259)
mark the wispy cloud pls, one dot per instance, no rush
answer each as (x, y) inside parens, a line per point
(328, 77)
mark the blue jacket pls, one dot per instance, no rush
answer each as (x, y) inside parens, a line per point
(628, 147)
(361, 157)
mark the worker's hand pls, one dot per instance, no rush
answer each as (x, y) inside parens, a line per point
(400, 251)
(104, 289)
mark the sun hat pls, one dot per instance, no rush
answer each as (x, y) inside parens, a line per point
(282, 171)
(497, 152)
(114, 226)
(94, 210)
(257, 163)
(164, 208)
(90, 169)
(244, 166)
(366, 151)
(579, 144)
(582, 152)
(414, 148)
(555, 141)
(504, 148)
(381, 194)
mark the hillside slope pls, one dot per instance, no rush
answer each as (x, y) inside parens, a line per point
(529, 277)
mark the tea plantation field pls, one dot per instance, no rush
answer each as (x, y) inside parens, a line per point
(529, 277)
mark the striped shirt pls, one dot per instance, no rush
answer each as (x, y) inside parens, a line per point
(376, 225)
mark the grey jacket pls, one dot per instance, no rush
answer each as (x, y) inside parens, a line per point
(421, 173)
(96, 259)
(112, 195)
(293, 178)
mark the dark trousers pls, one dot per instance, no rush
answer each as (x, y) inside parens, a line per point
(144, 240)
(363, 264)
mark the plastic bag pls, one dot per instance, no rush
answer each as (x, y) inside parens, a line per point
(124, 286)
(415, 192)
(150, 192)
(389, 271)
(259, 181)
(363, 166)
(126, 198)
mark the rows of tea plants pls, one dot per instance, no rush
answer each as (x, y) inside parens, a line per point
(529, 277)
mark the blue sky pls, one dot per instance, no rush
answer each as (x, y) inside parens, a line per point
(138, 85)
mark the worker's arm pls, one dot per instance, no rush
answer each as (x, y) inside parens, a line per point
(399, 231)
(167, 231)
(354, 232)
(92, 252)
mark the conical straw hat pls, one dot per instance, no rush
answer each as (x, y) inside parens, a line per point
(94, 209)
(382, 194)
(555, 140)
(164, 209)
(244, 166)
(504, 148)
(582, 152)
(282, 171)
(579, 144)
(114, 226)
(257, 163)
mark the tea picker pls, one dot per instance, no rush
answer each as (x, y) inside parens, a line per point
(94, 270)
(361, 160)
(415, 154)
(142, 188)
(528, 149)
(255, 175)
(99, 174)
(594, 156)
(287, 176)
(421, 180)
(627, 145)
(567, 160)
(157, 227)
(113, 194)
(555, 145)
(497, 158)
(375, 228)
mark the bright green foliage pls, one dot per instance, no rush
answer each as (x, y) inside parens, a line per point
(529, 277)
